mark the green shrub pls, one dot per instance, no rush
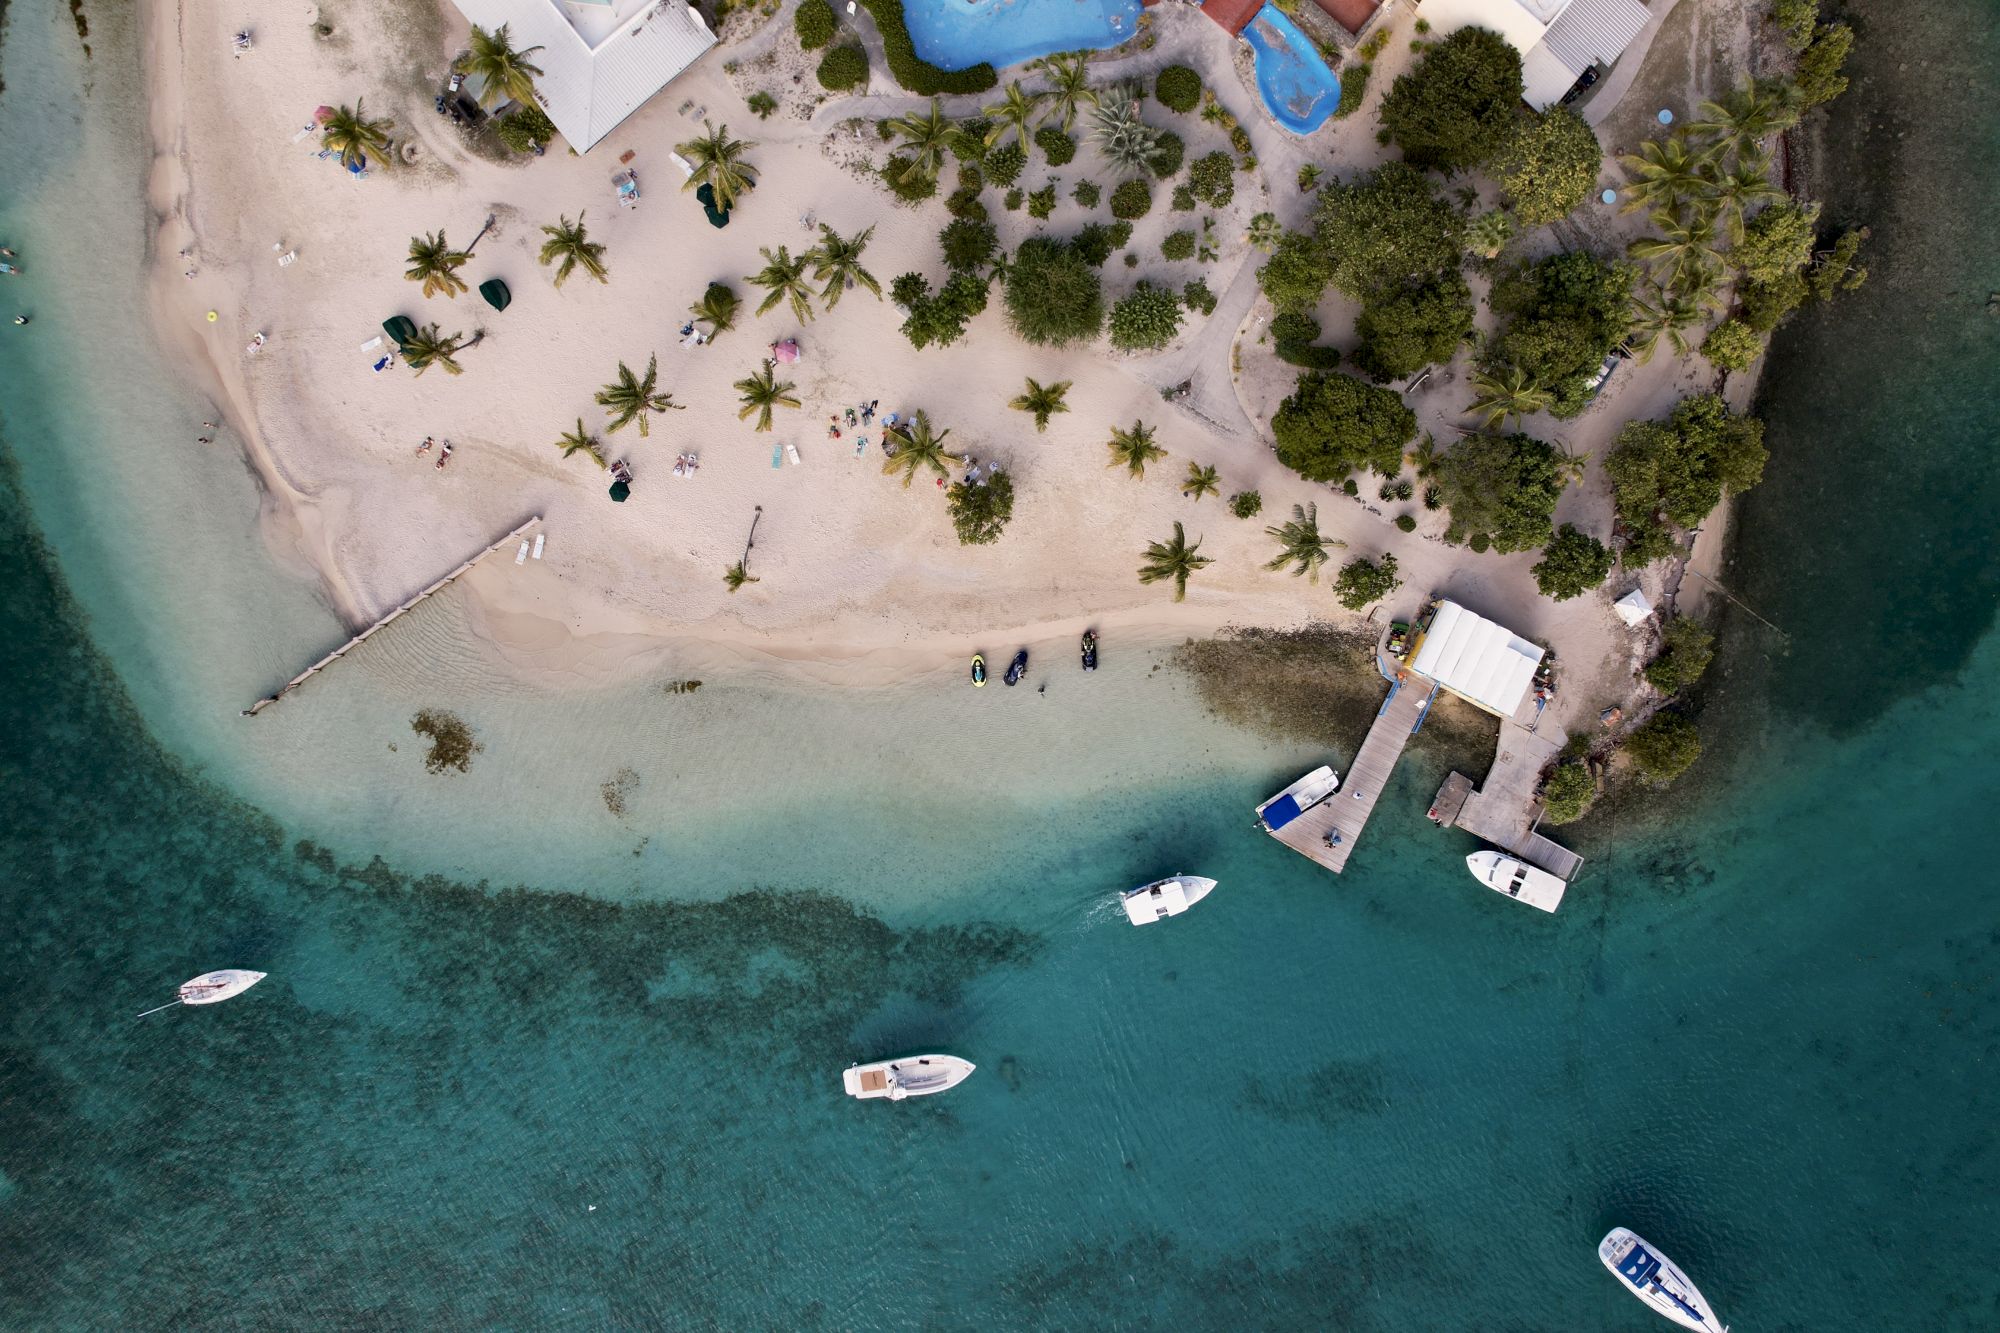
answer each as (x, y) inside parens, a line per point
(1011, 201)
(905, 184)
(842, 68)
(761, 104)
(964, 202)
(1665, 747)
(1568, 793)
(1197, 296)
(1147, 318)
(1239, 139)
(913, 71)
(1363, 581)
(968, 144)
(1094, 244)
(1294, 326)
(1166, 158)
(1087, 194)
(524, 127)
(1178, 88)
(1819, 78)
(1121, 235)
(1246, 504)
(1042, 202)
(1131, 259)
(1732, 345)
(980, 510)
(1350, 488)
(1005, 164)
(1572, 564)
(1132, 199)
(1797, 19)
(1212, 179)
(813, 22)
(1405, 523)
(968, 243)
(1308, 357)
(939, 319)
(1179, 245)
(1183, 200)
(1053, 297)
(1056, 146)
(1353, 89)
(1480, 542)
(1549, 166)
(1686, 649)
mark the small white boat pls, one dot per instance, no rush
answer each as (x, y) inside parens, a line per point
(1654, 1279)
(1517, 879)
(214, 987)
(1298, 798)
(911, 1076)
(1165, 897)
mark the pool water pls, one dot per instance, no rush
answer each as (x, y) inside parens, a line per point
(956, 34)
(1291, 74)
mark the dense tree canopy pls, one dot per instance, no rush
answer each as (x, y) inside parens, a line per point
(1568, 792)
(1665, 747)
(1405, 327)
(939, 319)
(1502, 486)
(1671, 474)
(980, 510)
(1454, 110)
(1053, 298)
(1685, 652)
(1562, 317)
(1385, 227)
(1549, 166)
(1572, 564)
(1296, 274)
(1362, 581)
(1776, 242)
(1732, 345)
(1333, 425)
(1146, 318)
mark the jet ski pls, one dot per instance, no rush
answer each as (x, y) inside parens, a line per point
(978, 670)
(1090, 650)
(1017, 668)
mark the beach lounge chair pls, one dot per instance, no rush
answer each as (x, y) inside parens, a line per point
(717, 218)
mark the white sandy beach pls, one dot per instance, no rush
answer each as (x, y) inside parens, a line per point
(860, 580)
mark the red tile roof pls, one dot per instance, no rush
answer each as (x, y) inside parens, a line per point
(1233, 15)
(1352, 15)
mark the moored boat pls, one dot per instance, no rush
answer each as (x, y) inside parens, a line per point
(910, 1076)
(1164, 898)
(1655, 1279)
(1017, 668)
(1298, 798)
(1517, 879)
(215, 987)
(978, 669)
(1090, 650)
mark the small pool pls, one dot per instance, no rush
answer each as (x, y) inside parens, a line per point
(1291, 74)
(954, 34)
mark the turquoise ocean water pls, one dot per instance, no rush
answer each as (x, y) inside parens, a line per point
(1762, 1033)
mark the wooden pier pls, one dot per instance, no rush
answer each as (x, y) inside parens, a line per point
(1346, 812)
(500, 544)
(1504, 811)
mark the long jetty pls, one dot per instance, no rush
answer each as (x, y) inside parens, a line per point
(438, 586)
(1327, 832)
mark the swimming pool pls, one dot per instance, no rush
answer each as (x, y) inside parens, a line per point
(954, 34)
(1291, 74)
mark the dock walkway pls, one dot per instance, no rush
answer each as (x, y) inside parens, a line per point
(1346, 811)
(1504, 811)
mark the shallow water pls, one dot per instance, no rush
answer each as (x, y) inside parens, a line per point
(1388, 1100)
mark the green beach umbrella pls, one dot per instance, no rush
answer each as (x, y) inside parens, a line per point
(619, 491)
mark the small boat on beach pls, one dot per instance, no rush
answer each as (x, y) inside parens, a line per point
(1517, 879)
(910, 1076)
(1164, 898)
(1090, 650)
(978, 670)
(1298, 798)
(214, 987)
(1017, 668)
(1654, 1279)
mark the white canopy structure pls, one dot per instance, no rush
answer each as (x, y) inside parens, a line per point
(601, 60)
(1482, 663)
(1633, 608)
(1558, 39)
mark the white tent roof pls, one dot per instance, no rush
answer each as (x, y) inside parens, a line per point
(597, 67)
(1633, 607)
(1484, 663)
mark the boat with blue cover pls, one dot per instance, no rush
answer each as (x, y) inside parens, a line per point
(1298, 798)
(1654, 1279)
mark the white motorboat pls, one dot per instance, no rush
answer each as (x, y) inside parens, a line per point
(1654, 1279)
(214, 987)
(1517, 879)
(1298, 798)
(1165, 897)
(910, 1076)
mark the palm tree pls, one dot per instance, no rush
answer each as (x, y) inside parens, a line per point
(1069, 87)
(1044, 400)
(716, 308)
(1742, 188)
(630, 399)
(572, 245)
(1570, 465)
(927, 140)
(1126, 141)
(1015, 113)
(762, 392)
(1173, 560)
(917, 448)
(499, 67)
(1300, 543)
(351, 134)
(718, 164)
(786, 279)
(1133, 449)
(573, 441)
(1668, 174)
(1665, 314)
(1201, 481)
(1685, 250)
(837, 263)
(1266, 231)
(435, 264)
(739, 574)
(1487, 235)
(427, 347)
(1516, 395)
(1745, 118)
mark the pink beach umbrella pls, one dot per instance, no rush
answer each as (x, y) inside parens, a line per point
(323, 115)
(786, 351)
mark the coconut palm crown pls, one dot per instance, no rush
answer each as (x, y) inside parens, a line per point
(918, 448)
(435, 264)
(1043, 401)
(1133, 449)
(718, 164)
(630, 398)
(1300, 543)
(1069, 87)
(580, 440)
(569, 247)
(349, 132)
(1515, 394)
(427, 347)
(785, 279)
(502, 71)
(1174, 560)
(762, 392)
(927, 140)
(836, 261)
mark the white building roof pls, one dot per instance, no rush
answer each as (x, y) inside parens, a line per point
(1558, 39)
(1481, 662)
(600, 62)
